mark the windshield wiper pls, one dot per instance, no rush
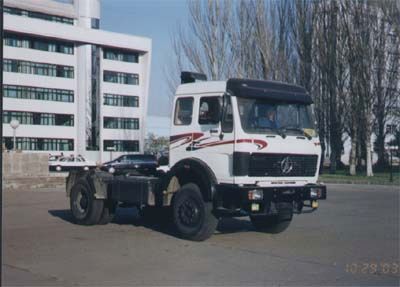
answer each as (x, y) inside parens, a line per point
(281, 132)
(299, 130)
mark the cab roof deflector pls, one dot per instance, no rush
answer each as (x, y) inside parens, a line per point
(268, 90)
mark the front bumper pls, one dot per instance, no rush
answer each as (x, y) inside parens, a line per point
(240, 200)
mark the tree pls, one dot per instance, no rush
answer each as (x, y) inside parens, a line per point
(205, 46)
(328, 66)
(386, 74)
(155, 144)
(344, 52)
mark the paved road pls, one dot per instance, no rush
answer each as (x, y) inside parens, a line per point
(358, 226)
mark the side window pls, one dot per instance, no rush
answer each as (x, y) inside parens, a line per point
(183, 112)
(209, 112)
(227, 121)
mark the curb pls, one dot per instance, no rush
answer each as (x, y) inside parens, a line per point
(387, 183)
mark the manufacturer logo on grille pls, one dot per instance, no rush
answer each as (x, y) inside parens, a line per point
(286, 165)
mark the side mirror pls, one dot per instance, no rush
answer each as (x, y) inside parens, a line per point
(222, 111)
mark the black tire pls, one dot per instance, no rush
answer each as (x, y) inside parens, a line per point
(85, 208)
(193, 218)
(270, 223)
(108, 213)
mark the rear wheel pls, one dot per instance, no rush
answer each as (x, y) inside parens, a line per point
(85, 208)
(193, 217)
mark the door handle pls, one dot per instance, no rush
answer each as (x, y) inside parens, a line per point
(213, 131)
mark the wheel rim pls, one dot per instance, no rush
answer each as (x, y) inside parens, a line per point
(189, 213)
(81, 202)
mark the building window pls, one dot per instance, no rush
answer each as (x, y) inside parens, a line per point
(22, 41)
(27, 67)
(40, 144)
(121, 78)
(38, 15)
(120, 55)
(44, 119)
(33, 118)
(24, 118)
(121, 100)
(121, 123)
(36, 93)
(121, 145)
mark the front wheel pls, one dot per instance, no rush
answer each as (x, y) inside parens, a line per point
(85, 208)
(192, 216)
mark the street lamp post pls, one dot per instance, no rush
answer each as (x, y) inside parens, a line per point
(14, 124)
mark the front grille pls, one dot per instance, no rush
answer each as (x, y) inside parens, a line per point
(282, 165)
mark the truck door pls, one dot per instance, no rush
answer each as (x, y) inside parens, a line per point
(216, 146)
(182, 133)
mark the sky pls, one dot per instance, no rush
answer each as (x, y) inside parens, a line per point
(155, 19)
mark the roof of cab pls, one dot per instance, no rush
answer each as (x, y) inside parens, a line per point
(206, 87)
(270, 90)
(246, 88)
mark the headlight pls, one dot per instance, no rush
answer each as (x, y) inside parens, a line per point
(255, 194)
(111, 170)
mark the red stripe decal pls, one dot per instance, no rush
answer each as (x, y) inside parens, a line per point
(260, 143)
(190, 137)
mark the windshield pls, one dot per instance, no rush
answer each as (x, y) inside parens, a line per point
(263, 116)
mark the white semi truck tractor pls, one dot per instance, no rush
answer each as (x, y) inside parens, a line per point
(237, 148)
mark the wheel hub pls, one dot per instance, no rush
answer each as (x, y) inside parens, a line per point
(189, 213)
(82, 202)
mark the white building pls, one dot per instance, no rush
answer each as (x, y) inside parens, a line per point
(74, 88)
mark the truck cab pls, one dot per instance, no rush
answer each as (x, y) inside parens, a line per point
(237, 148)
(247, 132)
(254, 145)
